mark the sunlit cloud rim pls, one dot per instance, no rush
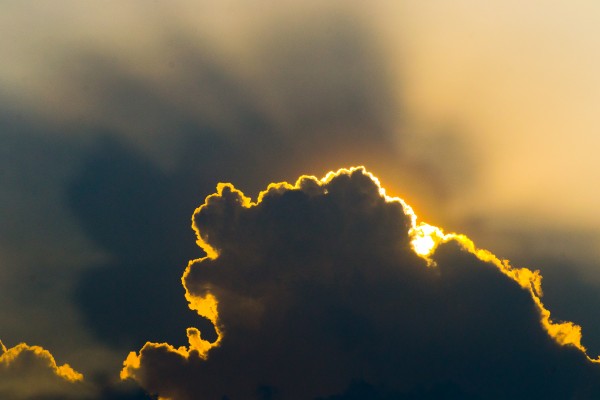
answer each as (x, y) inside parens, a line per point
(424, 240)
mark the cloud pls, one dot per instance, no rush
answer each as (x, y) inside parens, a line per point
(316, 291)
(202, 101)
(320, 96)
(178, 103)
(124, 144)
(32, 373)
(28, 372)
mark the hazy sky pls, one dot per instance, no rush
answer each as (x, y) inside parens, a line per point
(117, 119)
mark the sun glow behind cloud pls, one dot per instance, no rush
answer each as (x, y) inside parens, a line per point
(424, 240)
(436, 98)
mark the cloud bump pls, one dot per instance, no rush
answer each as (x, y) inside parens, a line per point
(29, 371)
(331, 289)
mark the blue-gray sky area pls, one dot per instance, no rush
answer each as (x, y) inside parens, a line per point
(118, 119)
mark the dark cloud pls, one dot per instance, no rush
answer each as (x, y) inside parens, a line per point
(122, 300)
(123, 146)
(210, 124)
(570, 295)
(320, 295)
(108, 171)
(123, 137)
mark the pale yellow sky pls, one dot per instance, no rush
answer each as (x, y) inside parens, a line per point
(521, 81)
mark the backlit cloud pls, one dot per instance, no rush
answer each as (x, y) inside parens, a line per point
(30, 372)
(117, 121)
(331, 289)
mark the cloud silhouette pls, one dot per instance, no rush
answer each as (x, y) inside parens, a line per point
(28, 372)
(330, 289)
(199, 102)
(99, 143)
(321, 80)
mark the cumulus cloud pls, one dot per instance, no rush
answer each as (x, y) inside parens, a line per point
(28, 372)
(330, 289)
(320, 96)
(187, 92)
(109, 119)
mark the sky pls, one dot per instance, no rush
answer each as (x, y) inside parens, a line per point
(128, 271)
